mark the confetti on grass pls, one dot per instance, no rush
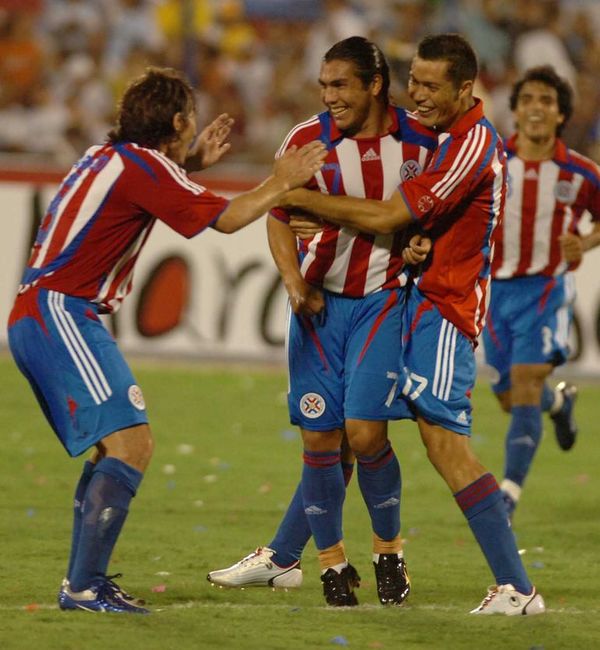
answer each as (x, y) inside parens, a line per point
(159, 589)
(339, 640)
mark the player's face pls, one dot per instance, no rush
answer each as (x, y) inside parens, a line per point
(353, 107)
(537, 113)
(439, 103)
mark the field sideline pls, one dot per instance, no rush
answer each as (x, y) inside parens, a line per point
(226, 462)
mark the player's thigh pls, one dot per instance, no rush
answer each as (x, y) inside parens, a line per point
(541, 326)
(315, 365)
(497, 337)
(81, 379)
(439, 369)
(372, 362)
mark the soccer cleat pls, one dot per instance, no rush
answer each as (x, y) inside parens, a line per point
(138, 602)
(393, 583)
(338, 588)
(565, 426)
(505, 599)
(103, 595)
(258, 570)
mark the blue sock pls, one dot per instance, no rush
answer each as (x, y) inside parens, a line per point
(522, 440)
(105, 507)
(294, 530)
(82, 485)
(482, 505)
(380, 484)
(547, 398)
(323, 494)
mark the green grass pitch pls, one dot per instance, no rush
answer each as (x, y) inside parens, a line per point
(226, 463)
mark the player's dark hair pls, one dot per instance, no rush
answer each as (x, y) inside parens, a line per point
(547, 75)
(368, 60)
(455, 49)
(146, 110)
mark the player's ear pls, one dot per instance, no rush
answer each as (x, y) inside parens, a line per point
(179, 122)
(466, 88)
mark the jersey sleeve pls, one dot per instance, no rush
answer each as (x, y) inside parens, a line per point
(449, 180)
(593, 198)
(162, 189)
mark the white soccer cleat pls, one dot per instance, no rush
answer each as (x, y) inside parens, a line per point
(258, 570)
(505, 599)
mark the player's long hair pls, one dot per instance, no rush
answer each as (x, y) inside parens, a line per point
(368, 60)
(455, 49)
(146, 110)
(547, 75)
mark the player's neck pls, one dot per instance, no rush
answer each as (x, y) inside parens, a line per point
(528, 149)
(377, 124)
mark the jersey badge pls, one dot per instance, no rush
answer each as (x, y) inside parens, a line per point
(410, 169)
(136, 398)
(312, 405)
(425, 203)
(564, 192)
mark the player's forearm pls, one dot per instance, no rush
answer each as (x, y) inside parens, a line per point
(248, 207)
(366, 215)
(282, 243)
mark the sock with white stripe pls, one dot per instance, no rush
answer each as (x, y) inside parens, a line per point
(105, 507)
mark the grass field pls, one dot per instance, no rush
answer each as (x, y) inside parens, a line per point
(226, 462)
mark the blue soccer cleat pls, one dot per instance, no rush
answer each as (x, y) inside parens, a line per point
(103, 595)
(565, 426)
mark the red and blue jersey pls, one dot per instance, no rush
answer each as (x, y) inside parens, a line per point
(98, 221)
(545, 199)
(458, 200)
(340, 259)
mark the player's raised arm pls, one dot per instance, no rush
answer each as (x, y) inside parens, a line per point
(295, 168)
(367, 215)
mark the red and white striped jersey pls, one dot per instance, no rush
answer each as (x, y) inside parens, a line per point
(545, 200)
(339, 259)
(458, 200)
(98, 221)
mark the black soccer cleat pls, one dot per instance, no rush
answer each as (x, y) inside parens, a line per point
(393, 583)
(565, 426)
(338, 588)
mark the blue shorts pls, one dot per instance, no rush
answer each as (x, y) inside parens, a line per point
(439, 366)
(528, 322)
(346, 364)
(77, 373)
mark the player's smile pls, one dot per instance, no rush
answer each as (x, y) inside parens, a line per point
(537, 112)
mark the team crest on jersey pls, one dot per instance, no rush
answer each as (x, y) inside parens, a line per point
(136, 398)
(312, 405)
(564, 192)
(410, 169)
(425, 203)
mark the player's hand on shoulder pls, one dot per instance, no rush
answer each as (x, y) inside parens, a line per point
(419, 246)
(298, 165)
(571, 247)
(304, 225)
(212, 142)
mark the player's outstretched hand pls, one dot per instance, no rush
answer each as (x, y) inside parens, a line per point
(417, 250)
(212, 142)
(571, 247)
(305, 225)
(297, 166)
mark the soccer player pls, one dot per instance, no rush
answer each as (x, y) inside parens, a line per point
(458, 201)
(344, 335)
(81, 266)
(538, 244)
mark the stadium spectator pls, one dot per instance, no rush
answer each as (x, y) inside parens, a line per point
(457, 201)
(344, 336)
(537, 245)
(81, 265)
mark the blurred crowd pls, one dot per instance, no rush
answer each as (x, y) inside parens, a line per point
(64, 63)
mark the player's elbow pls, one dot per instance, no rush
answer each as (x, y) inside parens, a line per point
(226, 224)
